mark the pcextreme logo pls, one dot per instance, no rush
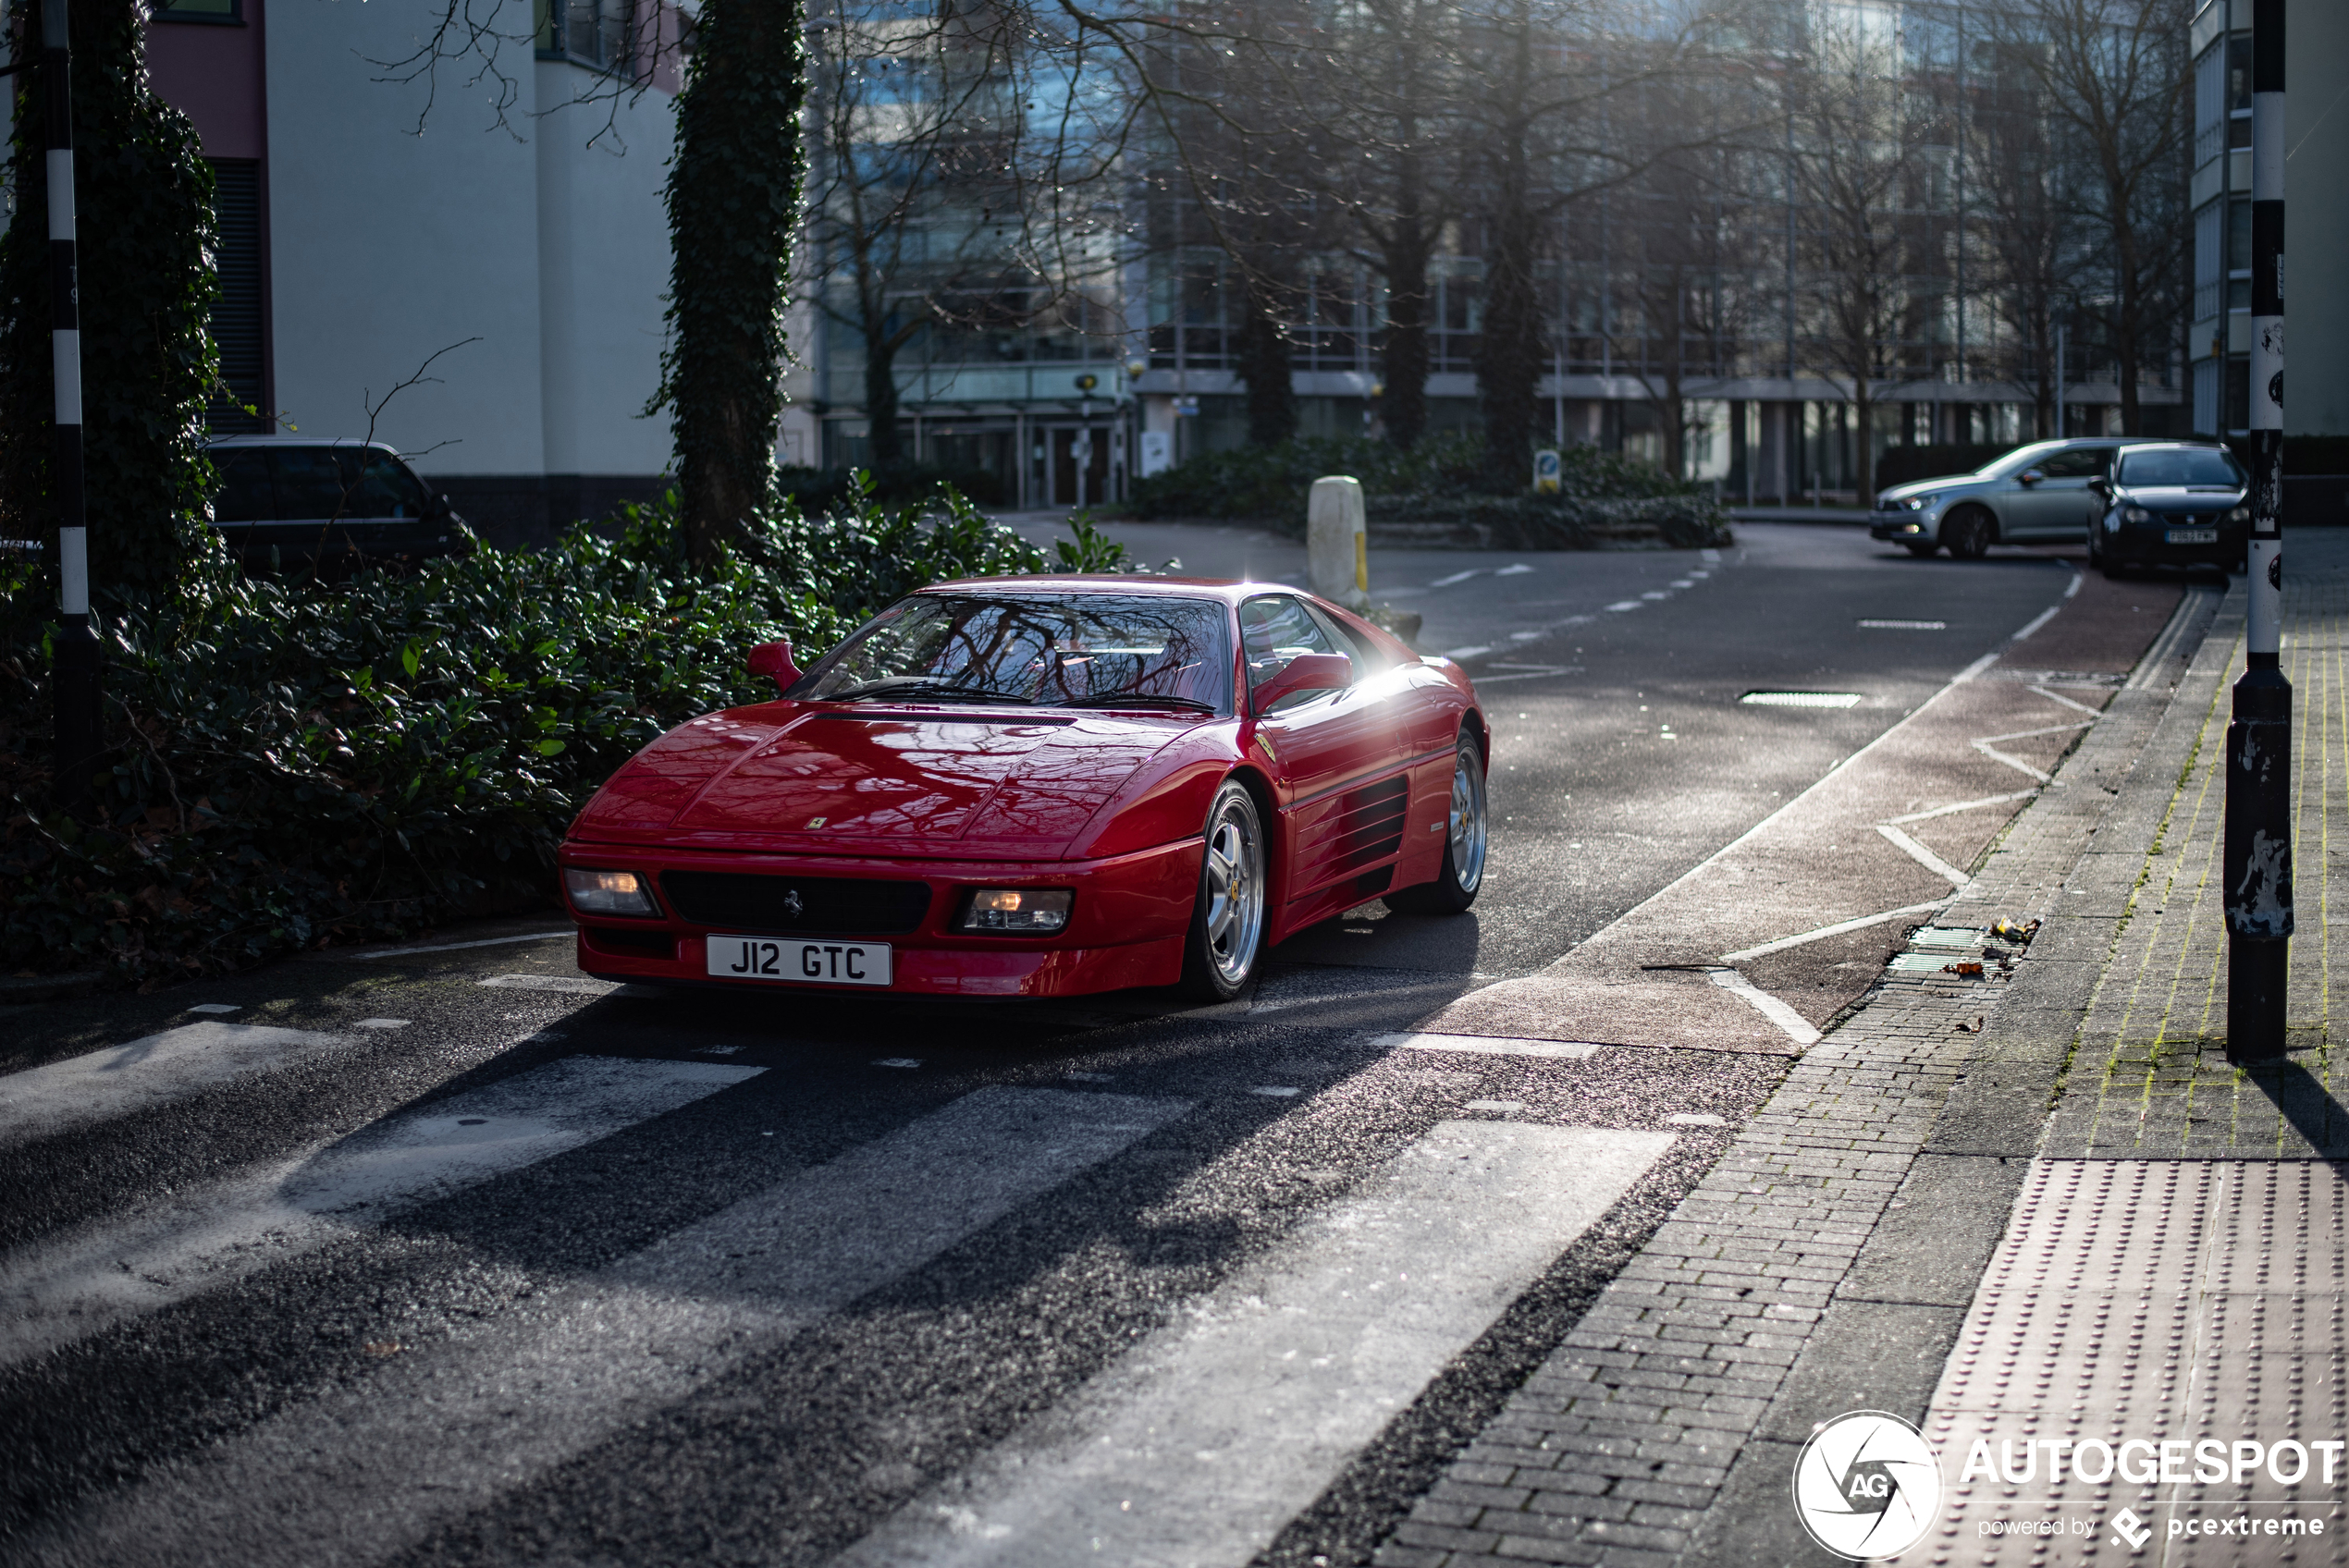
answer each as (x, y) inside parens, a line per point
(1867, 1484)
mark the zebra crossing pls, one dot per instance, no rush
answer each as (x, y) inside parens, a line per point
(1266, 1283)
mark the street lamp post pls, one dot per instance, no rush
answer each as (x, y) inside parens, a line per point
(2258, 864)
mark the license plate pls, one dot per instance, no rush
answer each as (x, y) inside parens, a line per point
(821, 963)
(2193, 536)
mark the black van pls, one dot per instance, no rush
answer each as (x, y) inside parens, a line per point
(331, 504)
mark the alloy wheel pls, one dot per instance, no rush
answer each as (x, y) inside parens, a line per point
(1234, 890)
(1467, 824)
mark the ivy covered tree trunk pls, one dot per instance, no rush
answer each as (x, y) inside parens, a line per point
(144, 204)
(733, 210)
(1264, 366)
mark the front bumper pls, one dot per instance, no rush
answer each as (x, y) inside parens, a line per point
(1904, 526)
(1127, 927)
(2147, 543)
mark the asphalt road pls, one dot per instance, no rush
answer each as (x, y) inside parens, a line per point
(448, 1254)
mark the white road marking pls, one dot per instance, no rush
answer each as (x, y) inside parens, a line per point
(1983, 744)
(897, 1062)
(62, 1289)
(2067, 702)
(456, 946)
(149, 1071)
(1275, 1091)
(1795, 1026)
(1499, 1107)
(1625, 605)
(1744, 955)
(1906, 625)
(383, 1022)
(1529, 672)
(1923, 856)
(570, 984)
(1457, 655)
(1709, 556)
(1456, 577)
(1695, 1119)
(1965, 806)
(1516, 569)
(216, 1007)
(2037, 621)
(1656, 594)
(495, 1407)
(1216, 1430)
(1485, 1045)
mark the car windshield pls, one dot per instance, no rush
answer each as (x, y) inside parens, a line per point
(1070, 650)
(2175, 468)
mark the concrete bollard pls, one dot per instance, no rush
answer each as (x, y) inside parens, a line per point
(1337, 539)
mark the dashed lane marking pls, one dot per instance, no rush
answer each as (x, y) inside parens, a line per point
(1485, 1045)
(1214, 1432)
(459, 946)
(63, 1289)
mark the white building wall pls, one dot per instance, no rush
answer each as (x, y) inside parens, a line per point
(387, 245)
(603, 266)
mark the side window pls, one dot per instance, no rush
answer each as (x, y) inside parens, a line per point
(245, 494)
(1367, 659)
(1275, 629)
(310, 486)
(381, 486)
(2080, 462)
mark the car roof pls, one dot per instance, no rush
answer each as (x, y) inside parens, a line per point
(1229, 589)
(274, 439)
(2174, 446)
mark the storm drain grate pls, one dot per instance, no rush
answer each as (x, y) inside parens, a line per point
(1801, 699)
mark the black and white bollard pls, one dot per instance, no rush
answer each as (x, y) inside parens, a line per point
(2257, 863)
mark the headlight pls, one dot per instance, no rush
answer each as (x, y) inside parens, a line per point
(1918, 503)
(608, 893)
(2240, 514)
(1016, 909)
(2136, 514)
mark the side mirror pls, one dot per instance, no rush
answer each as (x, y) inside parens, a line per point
(774, 658)
(2102, 486)
(1307, 672)
(2029, 476)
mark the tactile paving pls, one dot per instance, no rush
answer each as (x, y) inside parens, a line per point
(2152, 1300)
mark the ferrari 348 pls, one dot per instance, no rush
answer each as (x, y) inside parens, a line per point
(1041, 786)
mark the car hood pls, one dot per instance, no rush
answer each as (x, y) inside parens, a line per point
(1925, 486)
(896, 782)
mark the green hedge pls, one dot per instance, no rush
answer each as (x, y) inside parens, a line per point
(292, 766)
(1566, 521)
(1272, 482)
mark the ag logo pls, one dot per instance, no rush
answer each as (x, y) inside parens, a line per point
(1867, 1484)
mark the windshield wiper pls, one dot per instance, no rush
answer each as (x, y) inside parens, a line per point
(900, 686)
(1139, 700)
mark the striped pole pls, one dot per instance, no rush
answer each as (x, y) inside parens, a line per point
(78, 717)
(2257, 858)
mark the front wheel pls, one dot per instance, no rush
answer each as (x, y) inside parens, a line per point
(1967, 535)
(1227, 917)
(1464, 843)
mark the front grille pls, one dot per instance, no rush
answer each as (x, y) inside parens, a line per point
(835, 905)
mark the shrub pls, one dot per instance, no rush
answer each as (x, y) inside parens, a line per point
(292, 766)
(821, 489)
(1272, 482)
(1566, 522)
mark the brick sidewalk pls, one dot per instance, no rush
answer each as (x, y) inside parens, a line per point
(1836, 1259)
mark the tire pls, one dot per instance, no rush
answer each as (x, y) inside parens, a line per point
(1227, 914)
(1923, 552)
(1967, 535)
(1467, 831)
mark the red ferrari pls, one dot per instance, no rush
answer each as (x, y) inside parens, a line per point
(1040, 786)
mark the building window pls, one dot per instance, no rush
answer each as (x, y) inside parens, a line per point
(237, 311)
(2239, 73)
(228, 11)
(2239, 235)
(590, 32)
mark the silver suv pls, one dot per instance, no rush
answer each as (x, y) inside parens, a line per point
(2046, 492)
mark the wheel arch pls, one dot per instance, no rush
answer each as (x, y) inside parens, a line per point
(1989, 512)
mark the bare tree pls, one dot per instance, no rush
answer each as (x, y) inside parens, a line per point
(2112, 76)
(2032, 225)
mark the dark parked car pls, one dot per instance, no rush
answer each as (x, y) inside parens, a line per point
(331, 504)
(2172, 503)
